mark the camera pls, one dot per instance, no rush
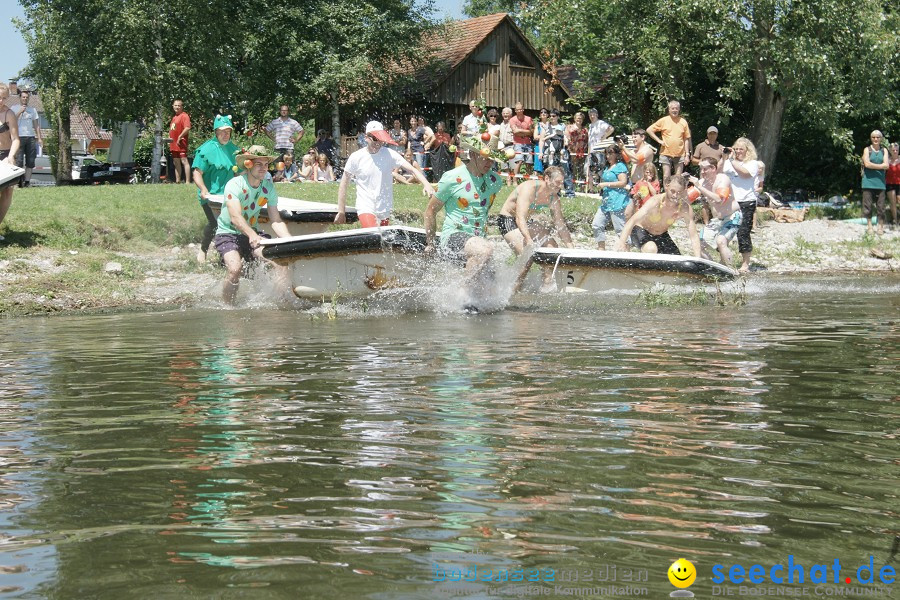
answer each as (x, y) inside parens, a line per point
(620, 139)
(726, 150)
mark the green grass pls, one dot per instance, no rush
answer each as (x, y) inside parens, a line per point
(125, 218)
(850, 211)
(803, 252)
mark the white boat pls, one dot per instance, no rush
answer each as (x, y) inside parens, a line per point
(359, 262)
(9, 174)
(351, 263)
(578, 270)
(302, 217)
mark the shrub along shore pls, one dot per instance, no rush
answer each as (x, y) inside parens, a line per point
(60, 241)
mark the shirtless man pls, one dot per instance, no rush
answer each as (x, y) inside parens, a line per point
(651, 223)
(716, 189)
(530, 197)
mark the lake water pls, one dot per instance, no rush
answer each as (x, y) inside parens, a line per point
(281, 454)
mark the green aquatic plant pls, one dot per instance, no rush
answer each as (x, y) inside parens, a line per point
(669, 297)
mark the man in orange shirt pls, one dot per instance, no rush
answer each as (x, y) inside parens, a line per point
(522, 127)
(178, 147)
(675, 145)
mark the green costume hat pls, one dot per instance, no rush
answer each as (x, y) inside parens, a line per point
(223, 122)
(476, 145)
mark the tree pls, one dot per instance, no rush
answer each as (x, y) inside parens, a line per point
(45, 39)
(128, 59)
(746, 61)
(337, 52)
(478, 8)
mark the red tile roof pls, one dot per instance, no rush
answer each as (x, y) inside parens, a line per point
(460, 39)
(82, 124)
(463, 37)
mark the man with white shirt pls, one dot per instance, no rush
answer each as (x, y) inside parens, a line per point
(372, 167)
(472, 121)
(506, 141)
(598, 130)
(29, 135)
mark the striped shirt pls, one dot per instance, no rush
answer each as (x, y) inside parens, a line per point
(284, 131)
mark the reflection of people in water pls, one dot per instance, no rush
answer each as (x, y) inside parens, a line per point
(215, 433)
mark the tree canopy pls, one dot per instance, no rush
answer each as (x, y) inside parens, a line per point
(747, 65)
(126, 58)
(812, 77)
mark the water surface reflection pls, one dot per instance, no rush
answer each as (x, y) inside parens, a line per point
(191, 453)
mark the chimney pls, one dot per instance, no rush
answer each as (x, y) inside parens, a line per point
(13, 87)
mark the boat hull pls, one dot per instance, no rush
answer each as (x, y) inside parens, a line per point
(350, 263)
(302, 217)
(9, 175)
(361, 262)
(577, 271)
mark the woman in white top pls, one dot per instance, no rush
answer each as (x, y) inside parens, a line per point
(324, 172)
(540, 128)
(740, 165)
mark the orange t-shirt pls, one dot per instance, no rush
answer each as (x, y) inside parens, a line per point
(674, 135)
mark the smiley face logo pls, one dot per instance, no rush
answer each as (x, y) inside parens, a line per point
(682, 573)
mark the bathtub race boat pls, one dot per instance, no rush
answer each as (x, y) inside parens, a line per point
(360, 262)
(302, 217)
(9, 174)
(576, 270)
(353, 263)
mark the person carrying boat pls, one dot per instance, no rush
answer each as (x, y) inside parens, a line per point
(715, 187)
(213, 168)
(466, 194)
(533, 197)
(373, 166)
(237, 239)
(651, 223)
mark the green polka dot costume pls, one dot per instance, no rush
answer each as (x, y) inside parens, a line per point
(250, 199)
(467, 201)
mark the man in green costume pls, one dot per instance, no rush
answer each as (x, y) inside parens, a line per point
(466, 194)
(213, 168)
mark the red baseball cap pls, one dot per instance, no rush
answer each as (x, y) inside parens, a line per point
(376, 130)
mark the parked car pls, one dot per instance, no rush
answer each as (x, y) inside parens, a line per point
(87, 169)
(43, 172)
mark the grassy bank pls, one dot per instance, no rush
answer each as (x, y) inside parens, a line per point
(60, 240)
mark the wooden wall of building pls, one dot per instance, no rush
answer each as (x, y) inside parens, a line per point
(503, 83)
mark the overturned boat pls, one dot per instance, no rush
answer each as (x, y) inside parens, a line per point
(302, 217)
(352, 263)
(360, 262)
(578, 270)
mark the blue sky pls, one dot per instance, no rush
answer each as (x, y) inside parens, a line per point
(15, 56)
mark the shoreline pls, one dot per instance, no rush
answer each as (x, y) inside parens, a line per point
(171, 278)
(61, 243)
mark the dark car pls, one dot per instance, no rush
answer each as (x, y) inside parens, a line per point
(87, 169)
